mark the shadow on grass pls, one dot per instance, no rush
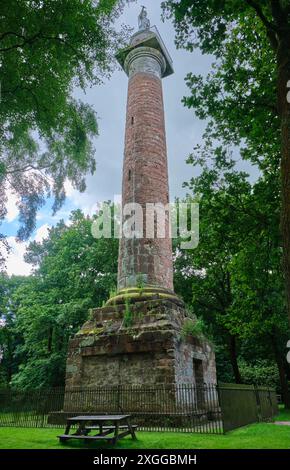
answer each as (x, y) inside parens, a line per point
(127, 443)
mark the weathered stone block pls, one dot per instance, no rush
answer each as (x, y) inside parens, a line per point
(149, 351)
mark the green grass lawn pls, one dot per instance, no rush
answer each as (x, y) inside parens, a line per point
(255, 436)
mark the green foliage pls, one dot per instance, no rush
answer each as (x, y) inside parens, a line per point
(128, 316)
(238, 287)
(40, 373)
(140, 283)
(233, 278)
(225, 373)
(73, 273)
(238, 96)
(261, 372)
(245, 91)
(193, 328)
(9, 337)
(113, 292)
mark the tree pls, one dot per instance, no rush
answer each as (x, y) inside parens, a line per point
(245, 94)
(9, 339)
(47, 49)
(234, 273)
(74, 272)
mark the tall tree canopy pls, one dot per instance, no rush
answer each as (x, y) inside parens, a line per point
(46, 49)
(74, 272)
(233, 279)
(244, 97)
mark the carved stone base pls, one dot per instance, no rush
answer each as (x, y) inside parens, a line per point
(138, 343)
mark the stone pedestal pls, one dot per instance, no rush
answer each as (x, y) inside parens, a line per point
(141, 342)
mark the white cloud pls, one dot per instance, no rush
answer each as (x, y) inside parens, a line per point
(90, 201)
(41, 216)
(85, 201)
(41, 233)
(69, 190)
(15, 262)
(12, 209)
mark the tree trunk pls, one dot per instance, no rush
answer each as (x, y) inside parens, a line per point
(9, 358)
(234, 359)
(49, 344)
(283, 61)
(282, 373)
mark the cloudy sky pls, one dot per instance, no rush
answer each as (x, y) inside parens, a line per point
(184, 131)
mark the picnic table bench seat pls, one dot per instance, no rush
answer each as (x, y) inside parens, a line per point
(135, 426)
(109, 428)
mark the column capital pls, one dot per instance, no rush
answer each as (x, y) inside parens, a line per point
(145, 59)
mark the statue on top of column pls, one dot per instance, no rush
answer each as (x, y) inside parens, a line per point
(143, 21)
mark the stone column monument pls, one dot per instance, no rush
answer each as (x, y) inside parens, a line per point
(145, 175)
(138, 337)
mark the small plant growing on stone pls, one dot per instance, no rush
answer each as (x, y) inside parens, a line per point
(140, 282)
(113, 292)
(128, 317)
(192, 328)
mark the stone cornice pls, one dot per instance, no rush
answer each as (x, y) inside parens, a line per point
(145, 59)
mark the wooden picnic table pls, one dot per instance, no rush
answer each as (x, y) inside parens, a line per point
(108, 427)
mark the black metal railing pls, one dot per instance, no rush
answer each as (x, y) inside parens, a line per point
(207, 409)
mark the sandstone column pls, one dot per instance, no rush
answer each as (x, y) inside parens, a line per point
(145, 175)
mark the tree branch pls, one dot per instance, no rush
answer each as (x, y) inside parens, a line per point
(39, 36)
(271, 28)
(277, 11)
(28, 167)
(21, 45)
(11, 33)
(30, 91)
(259, 11)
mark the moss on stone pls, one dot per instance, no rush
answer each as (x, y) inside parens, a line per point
(135, 295)
(94, 331)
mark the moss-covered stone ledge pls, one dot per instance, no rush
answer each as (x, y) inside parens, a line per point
(141, 294)
(151, 315)
(143, 307)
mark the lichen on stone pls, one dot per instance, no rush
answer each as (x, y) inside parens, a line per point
(94, 331)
